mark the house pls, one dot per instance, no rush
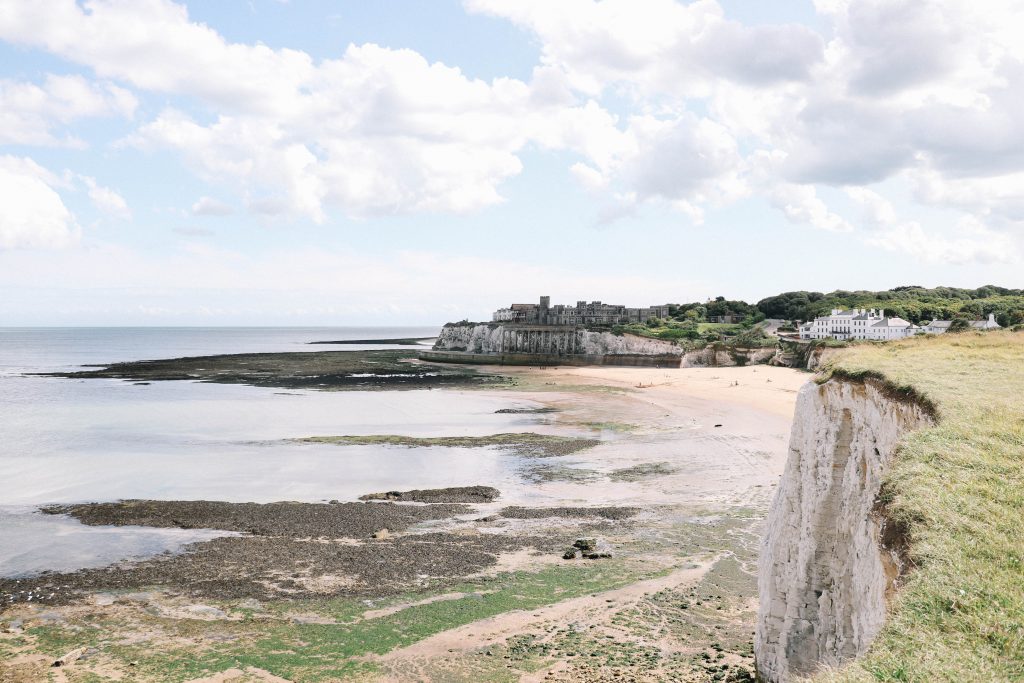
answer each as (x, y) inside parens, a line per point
(941, 326)
(891, 328)
(857, 323)
(989, 324)
(937, 326)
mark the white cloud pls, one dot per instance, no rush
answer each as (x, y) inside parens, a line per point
(660, 101)
(660, 46)
(29, 112)
(974, 243)
(375, 131)
(801, 204)
(208, 206)
(971, 242)
(32, 214)
(106, 199)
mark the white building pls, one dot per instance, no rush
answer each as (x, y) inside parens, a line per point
(940, 326)
(857, 323)
(872, 324)
(937, 326)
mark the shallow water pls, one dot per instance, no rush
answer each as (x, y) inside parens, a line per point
(95, 440)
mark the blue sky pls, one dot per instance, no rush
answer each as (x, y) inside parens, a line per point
(267, 162)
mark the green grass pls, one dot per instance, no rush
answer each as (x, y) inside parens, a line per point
(327, 652)
(959, 490)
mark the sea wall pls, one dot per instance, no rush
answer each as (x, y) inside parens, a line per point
(541, 359)
(552, 340)
(828, 561)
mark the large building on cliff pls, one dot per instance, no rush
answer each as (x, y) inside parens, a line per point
(583, 313)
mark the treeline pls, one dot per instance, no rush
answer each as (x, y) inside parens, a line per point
(714, 310)
(916, 304)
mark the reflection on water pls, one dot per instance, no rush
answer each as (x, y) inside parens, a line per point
(95, 440)
(33, 543)
(70, 440)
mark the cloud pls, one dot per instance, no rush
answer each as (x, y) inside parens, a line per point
(800, 204)
(190, 231)
(207, 206)
(972, 242)
(376, 131)
(106, 200)
(194, 281)
(32, 214)
(660, 46)
(661, 101)
(29, 112)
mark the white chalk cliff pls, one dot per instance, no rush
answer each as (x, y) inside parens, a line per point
(825, 572)
(493, 338)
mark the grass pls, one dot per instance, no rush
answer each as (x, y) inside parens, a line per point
(959, 490)
(327, 652)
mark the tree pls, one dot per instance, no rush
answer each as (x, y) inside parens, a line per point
(959, 324)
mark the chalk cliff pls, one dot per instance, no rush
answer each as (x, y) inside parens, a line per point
(560, 341)
(825, 571)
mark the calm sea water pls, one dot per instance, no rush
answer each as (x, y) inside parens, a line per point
(96, 440)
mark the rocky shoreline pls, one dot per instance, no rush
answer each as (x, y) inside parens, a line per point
(290, 550)
(321, 370)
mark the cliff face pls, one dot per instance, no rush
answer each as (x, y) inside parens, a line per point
(717, 357)
(559, 341)
(825, 573)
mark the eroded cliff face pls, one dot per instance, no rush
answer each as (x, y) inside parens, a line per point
(715, 356)
(555, 340)
(825, 572)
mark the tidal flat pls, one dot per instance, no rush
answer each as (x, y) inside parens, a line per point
(465, 583)
(324, 370)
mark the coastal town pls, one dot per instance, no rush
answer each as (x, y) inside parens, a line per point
(854, 324)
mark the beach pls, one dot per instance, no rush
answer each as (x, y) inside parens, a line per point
(663, 475)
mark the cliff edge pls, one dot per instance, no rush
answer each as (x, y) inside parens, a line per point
(825, 569)
(894, 548)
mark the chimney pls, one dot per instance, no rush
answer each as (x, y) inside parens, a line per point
(992, 318)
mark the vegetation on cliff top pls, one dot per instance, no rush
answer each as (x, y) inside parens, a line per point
(958, 490)
(912, 303)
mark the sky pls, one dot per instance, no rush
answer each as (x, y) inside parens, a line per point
(343, 162)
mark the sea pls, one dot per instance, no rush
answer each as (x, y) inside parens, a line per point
(89, 440)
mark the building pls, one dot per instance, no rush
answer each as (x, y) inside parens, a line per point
(937, 326)
(940, 326)
(872, 324)
(583, 313)
(857, 323)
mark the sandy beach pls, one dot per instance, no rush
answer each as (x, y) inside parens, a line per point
(672, 479)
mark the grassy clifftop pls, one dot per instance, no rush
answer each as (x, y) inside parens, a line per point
(959, 490)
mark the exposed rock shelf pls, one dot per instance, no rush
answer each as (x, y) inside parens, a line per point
(828, 562)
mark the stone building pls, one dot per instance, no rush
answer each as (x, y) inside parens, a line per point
(583, 313)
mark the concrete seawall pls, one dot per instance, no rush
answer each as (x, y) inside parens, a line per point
(536, 359)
